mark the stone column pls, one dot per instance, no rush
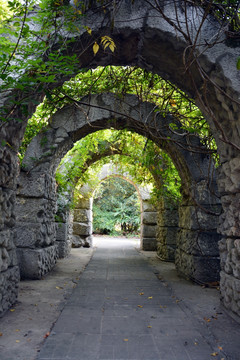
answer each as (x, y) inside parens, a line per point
(167, 229)
(229, 228)
(82, 223)
(35, 230)
(197, 254)
(9, 270)
(148, 226)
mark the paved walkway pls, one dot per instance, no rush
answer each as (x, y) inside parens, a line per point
(120, 310)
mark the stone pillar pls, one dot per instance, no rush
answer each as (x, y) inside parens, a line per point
(167, 229)
(229, 228)
(64, 229)
(197, 254)
(9, 270)
(82, 223)
(148, 226)
(35, 230)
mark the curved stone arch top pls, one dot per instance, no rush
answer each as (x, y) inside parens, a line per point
(82, 225)
(37, 196)
(143, 39)
(105, 111)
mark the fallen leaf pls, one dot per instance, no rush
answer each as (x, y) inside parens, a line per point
(150, 297)
(214, 354)
(59, 287)
(12, 310)
(206, 319)
(17, 330)
(220, 347)
(140, 306)
(149, 326)
(195, 343)
(46, 335)
(142, 293)
(125, 339)
(1, 334)
(17, 341)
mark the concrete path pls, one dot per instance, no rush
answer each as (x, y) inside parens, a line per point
(120, 310)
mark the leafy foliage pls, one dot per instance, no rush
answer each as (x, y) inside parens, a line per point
(144, 161)
(116, 206)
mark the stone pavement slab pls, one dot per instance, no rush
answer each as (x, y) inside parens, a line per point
(120, 310)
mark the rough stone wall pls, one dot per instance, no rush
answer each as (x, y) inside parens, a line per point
(229, 187)
(82, 223)
(148, 226)
(167, 229)
(9, 270)
(35, 229)
(197, 254)
(64, 231)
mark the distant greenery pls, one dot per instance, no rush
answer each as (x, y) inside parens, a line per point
(116, 208)
(144, 161)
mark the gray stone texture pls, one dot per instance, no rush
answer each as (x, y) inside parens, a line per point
(141, 39)
(35, 263)
(9, 280)
(149, 244)
(167, 228)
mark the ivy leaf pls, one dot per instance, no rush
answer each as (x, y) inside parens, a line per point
(238, 63)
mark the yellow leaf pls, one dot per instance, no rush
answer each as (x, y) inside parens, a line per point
(125, 339)
(95, 48)
(89, 30)
(17, 341)
(214, 354)
(12, 310)
(150, 297)
(220, 347)
(17, 330)
(112, 47)
(59, 287)
(140, 306)
(149, 326)
(142, 293)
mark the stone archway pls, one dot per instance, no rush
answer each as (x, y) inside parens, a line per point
(147, 41)
(82, 226)
(69, 125)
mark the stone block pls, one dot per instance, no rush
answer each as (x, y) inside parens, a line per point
(168, 217)
(82, 215)
(200, 243)
(64, 248)
(169, 234)
(81, 241)
(84, 203)
(149, 218)
(149, 231)
(31, 235)
(205, 194)
(34, 210)
(149, 244)
(82, 229)
(194, 218)
(9, 280)
(35, 263)
(61, 231)
(37, 185)
(148, 206)
(201, 269)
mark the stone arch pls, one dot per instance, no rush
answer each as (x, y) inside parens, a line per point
(69, 125)
(148, 41)
(148, 211)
